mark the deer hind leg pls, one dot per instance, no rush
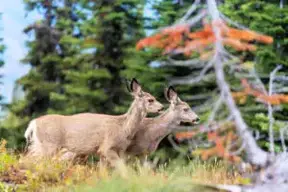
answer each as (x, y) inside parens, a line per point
(38, 151)
(35, 149)
(65, 155)
(49, 149)
(123, 155)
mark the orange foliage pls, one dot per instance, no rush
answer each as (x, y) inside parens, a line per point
(185, 135)
(220, 148)
(169, 38)
(274, 99)
(179, 39)
(221, 143)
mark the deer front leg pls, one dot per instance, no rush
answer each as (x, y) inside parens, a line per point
(123, 155)
(113, 159)
(145, 162)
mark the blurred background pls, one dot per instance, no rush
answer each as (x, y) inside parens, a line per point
(73, 56)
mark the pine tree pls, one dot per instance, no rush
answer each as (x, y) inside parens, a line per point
(98, 84)
(47, 51)
(80, 57)
(2, 49)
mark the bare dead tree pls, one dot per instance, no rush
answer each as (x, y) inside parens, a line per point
(218, 56)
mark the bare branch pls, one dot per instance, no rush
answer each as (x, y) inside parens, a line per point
(192, 9)
(199, 96)
(189, 80)
(187, 63)
(197, 18)
(233, 23)
(257, 134)
(281, 90)
(238, 151)
(282, 131)
(229, 55)
(271, 132)
(258, 81)
(216, 108)
(175, 146)
(189, 22)
(272, 76)
(281, 78)
(204, 107)
(270, 109)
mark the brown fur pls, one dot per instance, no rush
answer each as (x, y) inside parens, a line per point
(87, 133)
(153, 130)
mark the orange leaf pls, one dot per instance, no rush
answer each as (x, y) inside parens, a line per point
(265, 39)
(201, 34)
(185, 135)
(238, 45)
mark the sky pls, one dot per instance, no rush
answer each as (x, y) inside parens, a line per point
(13, 22)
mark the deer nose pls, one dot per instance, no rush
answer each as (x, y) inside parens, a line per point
(196, 121)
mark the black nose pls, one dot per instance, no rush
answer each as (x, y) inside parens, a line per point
(196, 120)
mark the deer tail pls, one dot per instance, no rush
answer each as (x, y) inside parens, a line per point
(30, 130)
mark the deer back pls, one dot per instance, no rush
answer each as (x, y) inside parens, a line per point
(84, 133)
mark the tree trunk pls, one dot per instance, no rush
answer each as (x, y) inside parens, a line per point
(255, 154)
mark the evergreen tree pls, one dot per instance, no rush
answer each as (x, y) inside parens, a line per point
(80, 56)
(2, 49)
(44, 78)
(110, 33)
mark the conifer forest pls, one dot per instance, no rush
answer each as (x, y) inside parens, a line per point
(146, 95)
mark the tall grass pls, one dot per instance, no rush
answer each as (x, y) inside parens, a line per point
(25, 174)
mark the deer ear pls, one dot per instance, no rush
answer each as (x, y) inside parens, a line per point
(171, 94)
(127, 83)
(135, 86)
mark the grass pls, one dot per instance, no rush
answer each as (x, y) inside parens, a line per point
(23, 174)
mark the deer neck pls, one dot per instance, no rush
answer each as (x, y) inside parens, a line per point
(162, 125)
(134, 116)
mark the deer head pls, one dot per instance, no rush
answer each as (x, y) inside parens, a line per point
(182, 111)
(145, 99)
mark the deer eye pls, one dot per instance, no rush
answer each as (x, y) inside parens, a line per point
(186, 109)
(150, 100)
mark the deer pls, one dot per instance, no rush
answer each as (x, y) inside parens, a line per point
(87, 133)
(153, 130)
